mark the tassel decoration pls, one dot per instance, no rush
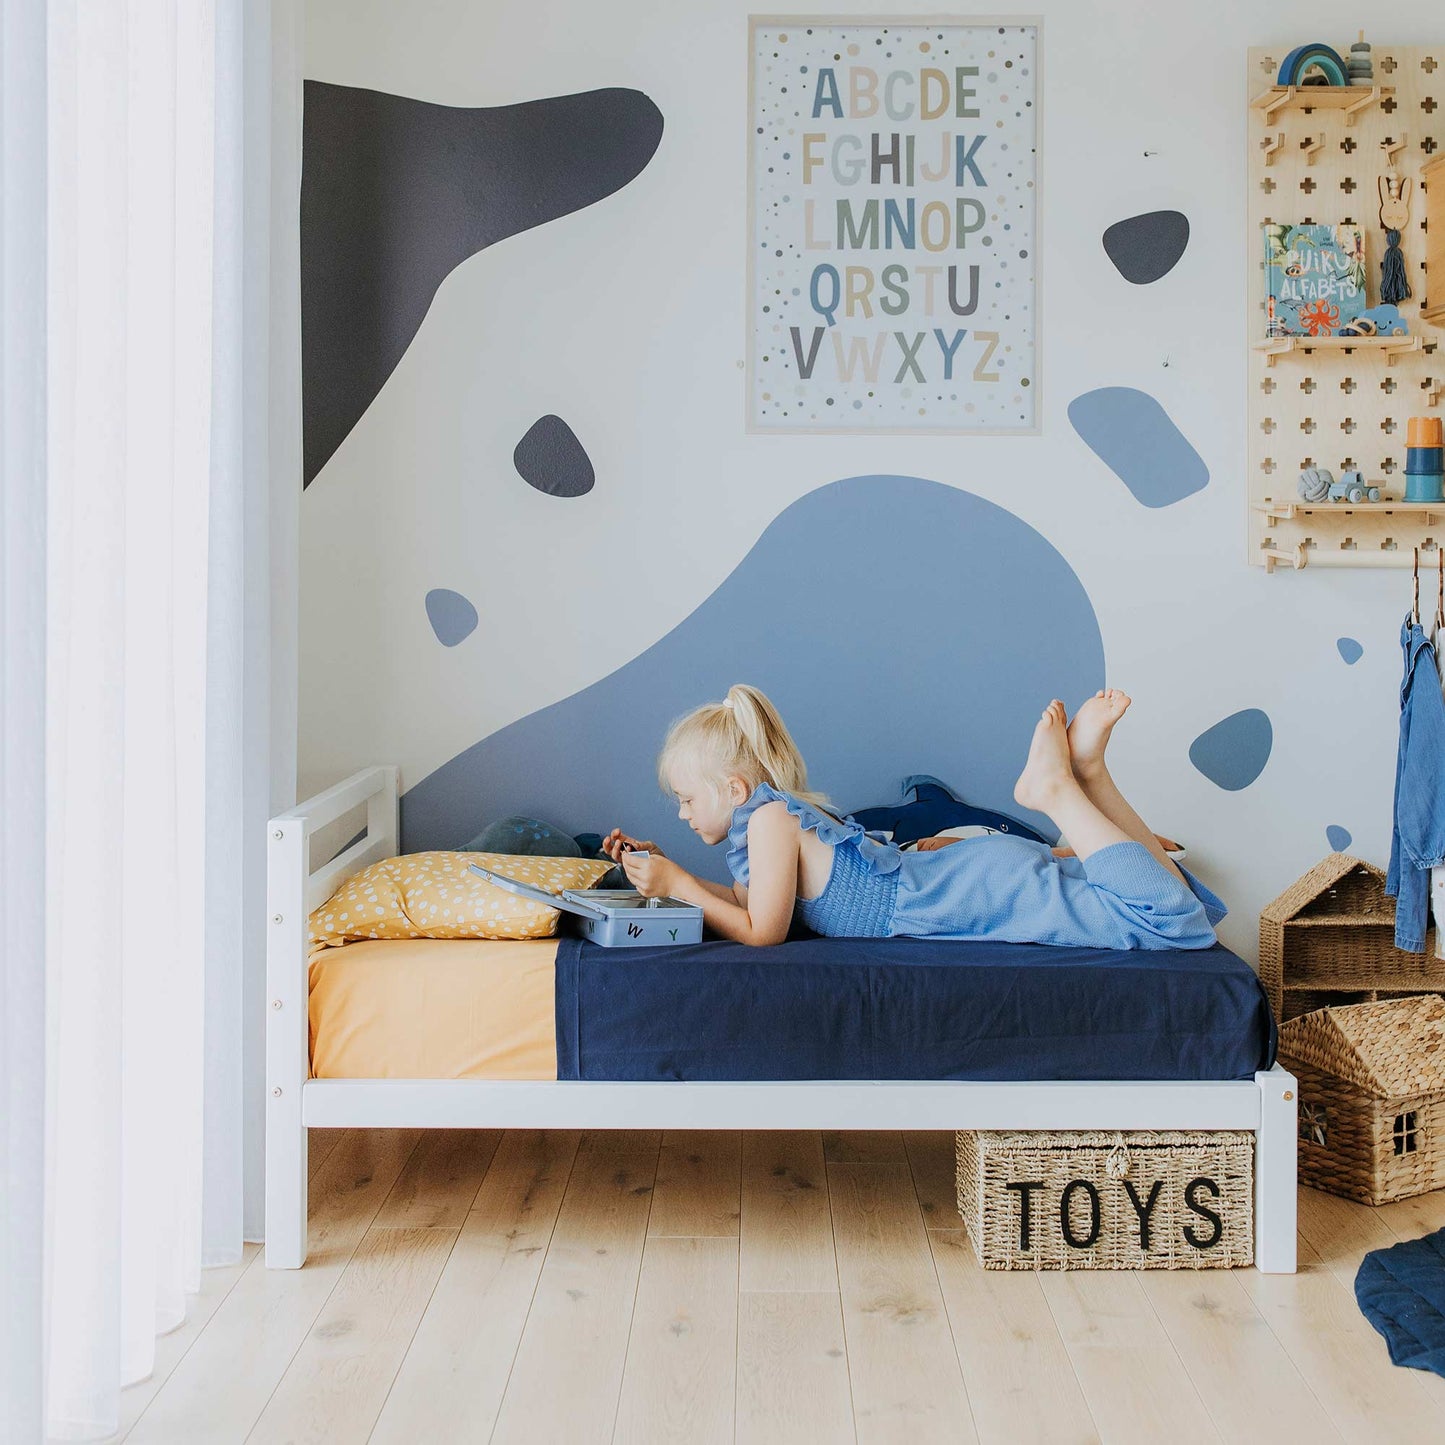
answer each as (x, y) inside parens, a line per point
(1394, 284)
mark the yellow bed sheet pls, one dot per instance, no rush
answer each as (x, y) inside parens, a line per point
(429, 1008)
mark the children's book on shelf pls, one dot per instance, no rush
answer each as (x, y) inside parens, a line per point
(1314, 279)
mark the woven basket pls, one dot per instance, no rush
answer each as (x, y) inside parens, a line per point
(1329, 938)
(1371, 1097)
(1081, 1213)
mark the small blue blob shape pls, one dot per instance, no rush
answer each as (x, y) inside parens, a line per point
(452, 617)
(1351, 651)
(1233, 753)
(1339, 838)
(1133, 436)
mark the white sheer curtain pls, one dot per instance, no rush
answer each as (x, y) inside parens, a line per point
(22, 713)
(171, 405)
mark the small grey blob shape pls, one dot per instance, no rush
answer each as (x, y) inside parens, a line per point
(1339, 838)
(1146, 247)
(1133, 436)
(1233, 752)
(901, 625)
(551, 459)
(1350, 650)
(396, 193)
(452, 617)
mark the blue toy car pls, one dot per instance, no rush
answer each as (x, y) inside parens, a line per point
(1352, 487)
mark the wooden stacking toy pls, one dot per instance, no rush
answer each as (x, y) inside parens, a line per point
(1424, 460)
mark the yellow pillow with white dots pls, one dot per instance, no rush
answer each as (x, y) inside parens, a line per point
(436, 895)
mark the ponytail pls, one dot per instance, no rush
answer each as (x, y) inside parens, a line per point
(742, 735)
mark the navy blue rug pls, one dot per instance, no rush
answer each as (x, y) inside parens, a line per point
(1401, 1291)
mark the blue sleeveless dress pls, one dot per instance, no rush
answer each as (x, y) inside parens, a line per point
(1002, 888)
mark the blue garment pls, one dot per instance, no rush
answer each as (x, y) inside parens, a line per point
(1417, 842)
(1008, 889)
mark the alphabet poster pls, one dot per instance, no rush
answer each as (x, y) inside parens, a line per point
(892, 275)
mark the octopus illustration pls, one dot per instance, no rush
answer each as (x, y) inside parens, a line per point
(1319, 318)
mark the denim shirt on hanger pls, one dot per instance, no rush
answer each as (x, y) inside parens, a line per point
(1417, 843)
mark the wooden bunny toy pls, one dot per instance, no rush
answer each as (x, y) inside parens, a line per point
(1394, 217)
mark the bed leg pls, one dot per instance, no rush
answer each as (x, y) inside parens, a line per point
(1274, 1173)
(288, 1044)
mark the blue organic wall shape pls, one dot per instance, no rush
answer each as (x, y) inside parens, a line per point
(1339, 838)
(1233, 752)
(1146, 247)
(901, 625)
(1133, 436)
(551, 459)
(395, 193)
(452, 617)
(1350, 650)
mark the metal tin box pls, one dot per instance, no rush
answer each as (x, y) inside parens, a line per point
(614, 917)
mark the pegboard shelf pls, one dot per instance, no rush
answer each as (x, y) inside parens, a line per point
(1343, 403)
(1310, 553)
(1352, 99)
(1288, 511)
(1387, 346)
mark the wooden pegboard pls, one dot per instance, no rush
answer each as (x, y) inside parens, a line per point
(1335, 407)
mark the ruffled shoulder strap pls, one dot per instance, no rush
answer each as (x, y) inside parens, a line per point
(873, 847)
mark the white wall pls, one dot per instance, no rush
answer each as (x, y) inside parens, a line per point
(627, 319)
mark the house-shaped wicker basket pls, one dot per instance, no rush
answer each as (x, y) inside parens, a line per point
(1329, 939)
(1371, 1097)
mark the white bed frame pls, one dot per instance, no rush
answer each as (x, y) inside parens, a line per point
(296, 1102)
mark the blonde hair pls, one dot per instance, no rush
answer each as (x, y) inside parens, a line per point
(741, 736)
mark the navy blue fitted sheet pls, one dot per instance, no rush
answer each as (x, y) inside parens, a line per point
(907, 1008)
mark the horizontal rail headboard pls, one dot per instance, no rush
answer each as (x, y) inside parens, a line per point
(377, 789)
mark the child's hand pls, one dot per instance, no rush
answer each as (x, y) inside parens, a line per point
(616, 843)
(932, 845)
(653, 877)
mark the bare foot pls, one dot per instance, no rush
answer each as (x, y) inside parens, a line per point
(1090, 729)
(1047, 769)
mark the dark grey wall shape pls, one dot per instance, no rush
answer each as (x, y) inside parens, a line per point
(396, 192)
(902, 626)
(551, 459)
(1146, 247)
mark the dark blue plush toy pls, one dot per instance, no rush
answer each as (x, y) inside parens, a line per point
(929, 807)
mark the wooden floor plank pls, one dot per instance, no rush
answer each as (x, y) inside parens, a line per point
(793, 1386)
(568, 1371)
(217, 1392)
(864, 1146)
(450, 1385)
(618, 1324)
(679, 1382)
(1415, 1217)
(697, 1192)
(440, 1181)
(785, 1229)
(1343, 1232)
(1137, 1390)
(904, 1370)
(319, 1144)
(1341, 1357)
(931, 1157)
(1020, 1382)
(216, 1283)
(1244, 1376)
(334, 1387)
